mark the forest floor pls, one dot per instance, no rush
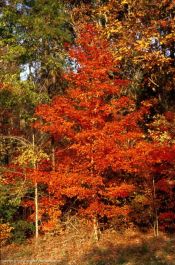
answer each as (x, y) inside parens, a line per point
(78, 247)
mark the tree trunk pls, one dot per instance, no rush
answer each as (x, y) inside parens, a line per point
(36, 210)
(36, 191)
(96, 231)
(53, 153)
(156, 221)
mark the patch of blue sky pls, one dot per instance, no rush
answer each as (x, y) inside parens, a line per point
(72, 64)
(28, 69)
(167, 52)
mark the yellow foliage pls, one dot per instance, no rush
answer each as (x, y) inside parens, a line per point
(162, 130)
(5, 232)
(31, 155)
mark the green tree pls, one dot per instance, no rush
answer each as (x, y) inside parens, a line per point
(32, 56)
(33, 34)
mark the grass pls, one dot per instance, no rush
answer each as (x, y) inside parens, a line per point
(78, 247)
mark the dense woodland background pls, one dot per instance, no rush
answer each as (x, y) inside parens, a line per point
(87, 116)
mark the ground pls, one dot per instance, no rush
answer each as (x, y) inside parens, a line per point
(77, 246)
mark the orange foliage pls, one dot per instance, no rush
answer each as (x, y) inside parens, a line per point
(96, 128)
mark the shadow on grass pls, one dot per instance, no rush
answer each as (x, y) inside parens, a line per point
(149, 252)
(112, 249)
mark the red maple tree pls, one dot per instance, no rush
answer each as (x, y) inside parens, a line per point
(95, 126)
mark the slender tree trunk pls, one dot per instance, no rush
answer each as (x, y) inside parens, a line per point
(36, 192)
(96, 229)
(156, 221)
(53, 154)
(52, 160)
(36, 210)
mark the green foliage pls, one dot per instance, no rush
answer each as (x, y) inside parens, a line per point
(7, 100)
(10, 199)
(13, 187)
(33, 35)
(22, 231)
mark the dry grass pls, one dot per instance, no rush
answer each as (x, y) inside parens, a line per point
(76, 246)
